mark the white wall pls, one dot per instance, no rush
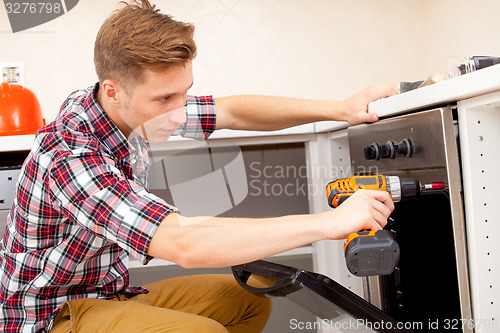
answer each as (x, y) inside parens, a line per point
(305, 48)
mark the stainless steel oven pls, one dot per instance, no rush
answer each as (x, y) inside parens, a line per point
(430, 283)
(429, 289)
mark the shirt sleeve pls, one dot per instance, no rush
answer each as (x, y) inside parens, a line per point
(90, 190)
(200, 115)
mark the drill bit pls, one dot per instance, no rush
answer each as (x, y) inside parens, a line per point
(432, 186)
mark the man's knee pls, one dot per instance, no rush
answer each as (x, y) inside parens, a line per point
(264, 306)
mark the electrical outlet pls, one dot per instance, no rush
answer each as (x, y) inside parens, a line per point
(12, 72)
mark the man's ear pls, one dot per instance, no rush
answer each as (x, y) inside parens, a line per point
(111, 91)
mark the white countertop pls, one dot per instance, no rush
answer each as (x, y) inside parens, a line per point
(463, 87)
(469, 85)
(16, 142)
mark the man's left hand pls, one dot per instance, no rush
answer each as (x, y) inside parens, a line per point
(356, 106)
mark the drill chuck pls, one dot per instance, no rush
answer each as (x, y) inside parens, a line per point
(402, 188)
(394, 187)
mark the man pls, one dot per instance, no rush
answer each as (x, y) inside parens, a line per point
(82, 207)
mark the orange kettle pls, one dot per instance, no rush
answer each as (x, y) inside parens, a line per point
(20, 111)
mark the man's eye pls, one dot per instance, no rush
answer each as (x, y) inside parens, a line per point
(164, 99)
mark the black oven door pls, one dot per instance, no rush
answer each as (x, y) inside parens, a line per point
(340, 309)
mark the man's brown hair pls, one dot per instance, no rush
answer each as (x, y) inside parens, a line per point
(137, 37)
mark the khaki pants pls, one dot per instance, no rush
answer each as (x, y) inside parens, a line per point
(203, 303)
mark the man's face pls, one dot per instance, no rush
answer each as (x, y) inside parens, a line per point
(154, 108)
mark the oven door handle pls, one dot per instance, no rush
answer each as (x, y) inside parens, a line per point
(282, 279)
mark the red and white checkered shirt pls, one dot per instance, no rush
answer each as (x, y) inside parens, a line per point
(81, 208)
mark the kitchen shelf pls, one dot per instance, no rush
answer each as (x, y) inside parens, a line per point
(225, 134)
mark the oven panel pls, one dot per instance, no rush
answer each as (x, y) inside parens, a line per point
(424, 133)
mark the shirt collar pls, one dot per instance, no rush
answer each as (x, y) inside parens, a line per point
(106, 129)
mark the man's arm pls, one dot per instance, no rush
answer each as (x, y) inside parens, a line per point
(267, 113)
(220, 242)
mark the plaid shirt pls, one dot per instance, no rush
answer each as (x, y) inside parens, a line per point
(81, 208)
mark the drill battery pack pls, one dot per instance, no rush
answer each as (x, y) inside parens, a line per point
(371, 252)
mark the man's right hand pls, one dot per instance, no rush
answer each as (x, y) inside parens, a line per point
(365, 209)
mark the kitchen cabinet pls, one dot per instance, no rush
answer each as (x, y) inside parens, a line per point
(479, 123)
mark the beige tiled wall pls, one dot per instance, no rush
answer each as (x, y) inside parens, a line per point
(304, 48)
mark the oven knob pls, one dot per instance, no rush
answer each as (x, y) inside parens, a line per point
(405, 148)
(372, 152)
(388, 150)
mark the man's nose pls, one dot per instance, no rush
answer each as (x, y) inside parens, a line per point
(178, 115)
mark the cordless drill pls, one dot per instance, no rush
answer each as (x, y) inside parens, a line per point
(370, 252)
